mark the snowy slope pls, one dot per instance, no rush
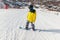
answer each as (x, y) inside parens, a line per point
(47, 22)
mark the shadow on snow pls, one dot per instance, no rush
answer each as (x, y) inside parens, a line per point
(49, 30)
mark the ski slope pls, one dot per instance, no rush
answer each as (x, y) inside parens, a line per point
(48, 22)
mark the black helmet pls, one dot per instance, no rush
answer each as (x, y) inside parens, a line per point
(31, 7)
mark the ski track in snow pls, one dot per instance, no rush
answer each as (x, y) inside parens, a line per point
(48, 23)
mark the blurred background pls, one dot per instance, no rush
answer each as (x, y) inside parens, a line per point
(53, 5)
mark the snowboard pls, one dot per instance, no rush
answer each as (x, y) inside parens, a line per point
(23, 28)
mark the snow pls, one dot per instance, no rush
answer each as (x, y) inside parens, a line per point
(48, 23)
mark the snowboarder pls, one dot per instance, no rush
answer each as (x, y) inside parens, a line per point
(31, 17)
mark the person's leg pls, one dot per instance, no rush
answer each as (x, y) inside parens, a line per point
(33, 26)
(27, 24)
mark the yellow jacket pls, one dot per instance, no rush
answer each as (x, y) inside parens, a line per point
(31, 17)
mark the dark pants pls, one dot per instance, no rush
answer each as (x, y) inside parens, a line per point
(27, 24)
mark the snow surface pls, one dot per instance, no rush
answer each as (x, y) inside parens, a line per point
(48, 23)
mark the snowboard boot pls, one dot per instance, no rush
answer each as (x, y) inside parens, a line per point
(33, 28)
(27, 24)
(26, 28)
